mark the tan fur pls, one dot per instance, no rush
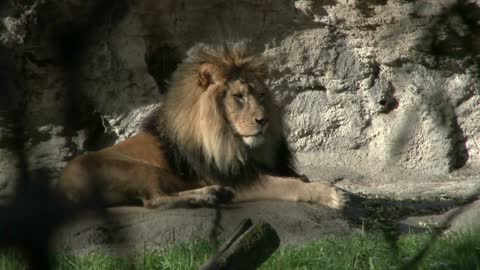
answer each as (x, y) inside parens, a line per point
(192, 112)
(220, 117)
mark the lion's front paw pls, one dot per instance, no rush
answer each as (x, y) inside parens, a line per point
(326, 194)
(219, 194)
(338, 198)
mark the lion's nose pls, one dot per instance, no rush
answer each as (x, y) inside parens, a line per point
(261, 121)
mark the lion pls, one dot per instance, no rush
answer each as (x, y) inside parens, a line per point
(217, 138)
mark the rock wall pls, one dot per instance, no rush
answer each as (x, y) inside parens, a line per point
(370, 85)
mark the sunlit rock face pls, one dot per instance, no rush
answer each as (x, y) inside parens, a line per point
(370, 85)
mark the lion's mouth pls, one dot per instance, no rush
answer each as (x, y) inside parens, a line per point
(253, 141)
(253, 135)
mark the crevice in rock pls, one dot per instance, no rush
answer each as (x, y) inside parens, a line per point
(388, 105)
(383, 94)
(98, 134)
(459, 148)
(375, 71)
(161, 63)
(366, 7)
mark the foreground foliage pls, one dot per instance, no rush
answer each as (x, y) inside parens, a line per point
(356, 251)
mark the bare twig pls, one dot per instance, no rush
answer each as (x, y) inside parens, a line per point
(247, 248)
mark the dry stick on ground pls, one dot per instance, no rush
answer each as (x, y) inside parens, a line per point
(247, 248)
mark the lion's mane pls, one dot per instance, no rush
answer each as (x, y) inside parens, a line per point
(198, 141)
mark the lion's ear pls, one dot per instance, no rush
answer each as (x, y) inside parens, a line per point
(206, 76)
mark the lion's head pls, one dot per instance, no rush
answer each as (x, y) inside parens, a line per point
(218, 110)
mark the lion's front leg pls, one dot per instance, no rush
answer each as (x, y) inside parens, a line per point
(291, 189)
(323, 193)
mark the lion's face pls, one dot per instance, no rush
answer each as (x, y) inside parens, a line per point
(218, 106)
(246, 110)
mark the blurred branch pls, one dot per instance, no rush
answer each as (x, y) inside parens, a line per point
(247, 248)
(440, 230)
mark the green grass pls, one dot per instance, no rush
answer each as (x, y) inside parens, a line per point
(358, 251)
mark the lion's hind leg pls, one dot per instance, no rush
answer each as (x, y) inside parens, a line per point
(202, 197)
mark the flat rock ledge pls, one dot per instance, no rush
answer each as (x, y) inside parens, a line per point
(459, 219)
(136, 228)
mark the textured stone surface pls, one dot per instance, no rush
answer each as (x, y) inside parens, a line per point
(459, 219)
(367, 85)
(127, 228)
